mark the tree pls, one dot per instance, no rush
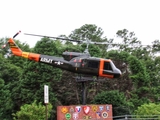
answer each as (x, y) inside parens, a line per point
(87, 31)
(139, 75)
(116, 98)
(9, 78)
(156, 46)
(35, 75)
(33, 111)
(150, 110)
(129, 41)
(21, 79)
(93, 33)
(141, 82)
(5, 102)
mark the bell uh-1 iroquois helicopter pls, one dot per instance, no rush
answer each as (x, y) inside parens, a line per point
(80, 63)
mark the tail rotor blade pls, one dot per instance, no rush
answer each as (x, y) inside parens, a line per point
(16, 34)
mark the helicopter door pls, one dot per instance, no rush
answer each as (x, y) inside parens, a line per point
(105, 68)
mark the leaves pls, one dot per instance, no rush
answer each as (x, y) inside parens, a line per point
(22, 81)
(150, 110)
(116, 98)
(34, 111)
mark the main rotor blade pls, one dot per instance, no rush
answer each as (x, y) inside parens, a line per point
(79, 41)
(104, 43)
(53, 37)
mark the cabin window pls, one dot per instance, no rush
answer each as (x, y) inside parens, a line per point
(107, 66)
(93, 64)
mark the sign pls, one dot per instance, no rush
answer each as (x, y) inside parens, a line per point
(64, 110)
(87, 117)
(46, 94)
(104, 114)
(107, 107)
(85, 112)
(78, 109)
(71, 110)
(86, 109)
(68, 116)
(75, 116)
(101, 108)
(94, 108)
(98, 115)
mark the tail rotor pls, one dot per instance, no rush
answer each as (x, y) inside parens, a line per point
(13, 46)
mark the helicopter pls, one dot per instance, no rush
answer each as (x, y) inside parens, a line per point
(76, 62)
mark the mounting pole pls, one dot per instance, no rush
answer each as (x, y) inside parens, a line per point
(46, 111)
(83, 93)
(83, 81)
(86, 50)
(46, 99)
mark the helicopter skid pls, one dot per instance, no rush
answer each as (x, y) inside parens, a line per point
(85, 79)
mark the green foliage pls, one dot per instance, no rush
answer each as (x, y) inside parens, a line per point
(5, 102)
(3, 42)
(35, 75)
(93, 33)
(10, 73)
(34, 111)
(21, 79)
(94, 51)
(141, 81)
(128, 40)
(150, 110)
(116, 55)
(139, 74)
(72, 48)
(156, 46)
(153, 67)
(116, 98)
(87, 31)
(137, 100)
(9, 76)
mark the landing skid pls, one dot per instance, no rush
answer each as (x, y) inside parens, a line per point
(85, 79)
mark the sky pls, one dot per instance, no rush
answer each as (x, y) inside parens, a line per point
(57, 17)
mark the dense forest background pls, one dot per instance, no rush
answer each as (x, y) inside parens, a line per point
(22, 81)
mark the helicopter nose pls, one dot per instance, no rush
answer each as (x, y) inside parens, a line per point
(117, 73)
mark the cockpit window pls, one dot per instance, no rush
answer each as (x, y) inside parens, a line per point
(107, 66)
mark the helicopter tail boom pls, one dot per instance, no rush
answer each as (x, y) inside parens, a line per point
(18, 52)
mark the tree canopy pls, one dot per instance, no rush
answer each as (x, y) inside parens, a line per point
(22, 80)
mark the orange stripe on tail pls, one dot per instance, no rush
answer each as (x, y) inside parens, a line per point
(31, 56)
(34, 56)
(14, 48)
(18, 52)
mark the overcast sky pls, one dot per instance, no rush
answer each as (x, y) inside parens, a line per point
(57, 17)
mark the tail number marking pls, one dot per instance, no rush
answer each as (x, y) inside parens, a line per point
(46, 60)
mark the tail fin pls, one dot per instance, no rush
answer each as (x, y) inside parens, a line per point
(18, 52)
(14, 48)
